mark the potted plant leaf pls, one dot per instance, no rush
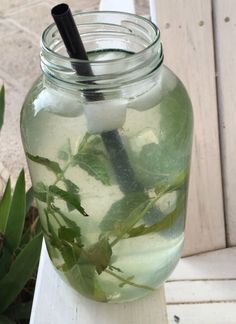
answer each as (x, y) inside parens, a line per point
(20, 245)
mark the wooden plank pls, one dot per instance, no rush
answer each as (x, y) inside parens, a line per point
(214, 313)
(153, 10)
(180, 292)
(225, 40)
(212, 265)
(199, 290)
(127, 5)
(55, 302)
(186, 32)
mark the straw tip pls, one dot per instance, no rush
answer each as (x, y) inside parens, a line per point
(60, 10)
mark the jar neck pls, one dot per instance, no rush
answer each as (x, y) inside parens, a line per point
(104, 32)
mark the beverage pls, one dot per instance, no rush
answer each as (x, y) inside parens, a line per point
(111, 245)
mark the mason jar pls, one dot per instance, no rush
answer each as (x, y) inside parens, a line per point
(109, 157)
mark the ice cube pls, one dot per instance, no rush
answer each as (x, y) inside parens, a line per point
(58, 102)
(103, 116)
(147, 136)
(149, 97)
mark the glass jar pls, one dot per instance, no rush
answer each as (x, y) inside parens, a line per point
(109, 157)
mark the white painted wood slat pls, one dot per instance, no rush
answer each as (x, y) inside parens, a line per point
(55, 302)
(225, 41)
(210, 313)
(215, 265)
(114, 5)
(186, 32)
(196, 294)
(180, 292)
(153, 10)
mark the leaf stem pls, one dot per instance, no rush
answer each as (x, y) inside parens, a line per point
(128, 282)
(136, 220)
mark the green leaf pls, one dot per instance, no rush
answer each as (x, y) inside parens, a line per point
(176, 120)
(65, 153)
(70, 254)
(158, 163)
(162, 161)
(5, 206)
(6, 320)
(112, 268)
(16, 218)
(54, 240)
(166, 223)
(5, 262)
(83, 278)
(100, 254)
(71, 235)
(72, 199)
(19, 311)
(179, 182)
(92, 157)
(29, 199)
(114, 220)
(50, 165)
(66, 220)
(73, 190)
(41, 192)
(71, 187)
(2, 105)
(62, 155)
(20, 272)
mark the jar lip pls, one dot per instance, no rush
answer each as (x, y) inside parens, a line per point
(47, 48)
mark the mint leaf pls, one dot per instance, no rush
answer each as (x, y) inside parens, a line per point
(71, 254)
(72, 189)
(84, 279)
(158, 163)
(176, 120)
(71, 186)
(161, 161)
(71, 235)
(51, 233)
(92, 157)
(50, 165)
(100, 254)
(114, 220)
(166, 223)
(66, 220)
(72, 199)
(179, 182)
(64, 153)
(41, 192)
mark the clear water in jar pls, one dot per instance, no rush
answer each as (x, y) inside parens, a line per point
(113, 229)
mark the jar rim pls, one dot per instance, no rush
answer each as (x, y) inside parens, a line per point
(105, 31)
(47, 48)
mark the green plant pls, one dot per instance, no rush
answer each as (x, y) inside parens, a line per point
(120, 222)
(20, 245)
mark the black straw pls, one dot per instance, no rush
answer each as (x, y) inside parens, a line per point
(70, 35)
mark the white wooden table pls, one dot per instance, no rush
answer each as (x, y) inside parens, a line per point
(202, 289)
